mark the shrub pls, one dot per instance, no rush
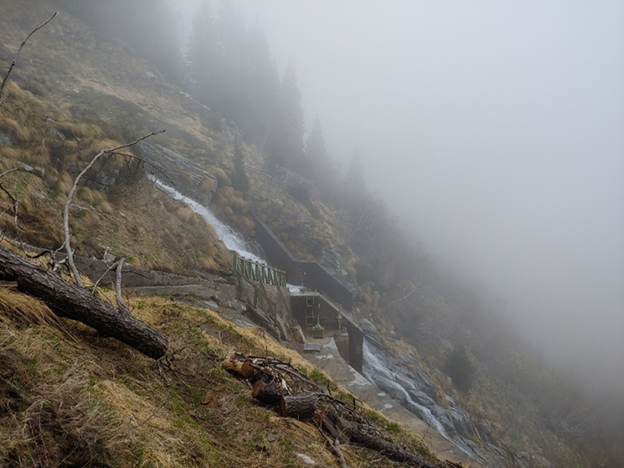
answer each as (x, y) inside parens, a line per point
(460, 368)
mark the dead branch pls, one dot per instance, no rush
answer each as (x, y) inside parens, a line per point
(68, 250)
(120, 302)
(8, 171)
(102, 277)
(15, 210)
(6, 77)
(336, 449)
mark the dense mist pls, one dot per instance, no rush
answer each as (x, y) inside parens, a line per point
(495, 130)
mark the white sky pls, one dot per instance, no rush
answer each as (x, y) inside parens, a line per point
(496, 130)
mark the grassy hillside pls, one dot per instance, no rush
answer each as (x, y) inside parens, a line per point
(71, 398)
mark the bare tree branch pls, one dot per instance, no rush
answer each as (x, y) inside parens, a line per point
(120, 302)
(68, 250)
(6, 78)
(102, 277)
(8, 171)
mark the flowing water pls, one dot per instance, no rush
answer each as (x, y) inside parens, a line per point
(232, 239)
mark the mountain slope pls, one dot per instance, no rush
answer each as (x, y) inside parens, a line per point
(75, 92)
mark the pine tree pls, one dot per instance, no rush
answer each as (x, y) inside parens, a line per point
(292, 120)
(263, 87)
(354, 184)
(234, 100)
(204, 56)
(317, 159)
(240, 181)
(315, 148)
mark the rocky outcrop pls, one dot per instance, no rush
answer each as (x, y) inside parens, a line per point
(190, 178)
(415, 391)
(372, 335)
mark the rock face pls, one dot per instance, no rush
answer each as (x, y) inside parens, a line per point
(372, 335)
(416, 392)
(189, 178)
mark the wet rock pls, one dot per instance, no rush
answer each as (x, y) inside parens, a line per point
(188, 177)
(56, 134)
(484, 433)
(5, 139)
(372, 335)
(238, 306)
(212, 305)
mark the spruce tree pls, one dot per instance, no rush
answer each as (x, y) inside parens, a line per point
(204, 56)
(315, 148)
(354, 184)
(240, 181)
(317, 158)
(292, 120)
(234, 100)
(264, 87)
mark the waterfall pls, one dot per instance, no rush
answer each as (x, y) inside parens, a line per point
(232, 239)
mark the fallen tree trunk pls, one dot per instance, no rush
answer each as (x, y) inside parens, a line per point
(67, 300)
(361, 436)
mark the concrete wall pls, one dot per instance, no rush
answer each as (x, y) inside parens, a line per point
(329, 320)
(309, 274)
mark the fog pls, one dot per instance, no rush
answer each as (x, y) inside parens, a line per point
(495, 130)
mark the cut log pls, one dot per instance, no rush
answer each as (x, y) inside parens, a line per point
(242, 367)
(359, 435)
(300, 406)
(267, 392)
(67, 300)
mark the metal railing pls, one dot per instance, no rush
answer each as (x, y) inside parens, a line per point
(258, 272)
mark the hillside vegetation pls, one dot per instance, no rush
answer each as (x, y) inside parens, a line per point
(79, 88)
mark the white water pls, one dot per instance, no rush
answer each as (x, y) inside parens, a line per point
(227, 235)
(376, 369)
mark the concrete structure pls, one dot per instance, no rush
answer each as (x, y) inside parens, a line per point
(329, 297)
(326, 313)
(309, 274)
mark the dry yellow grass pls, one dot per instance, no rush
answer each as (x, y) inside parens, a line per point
(23, 310)
(17, 131)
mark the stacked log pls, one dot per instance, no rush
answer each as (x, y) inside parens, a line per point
(338, 422)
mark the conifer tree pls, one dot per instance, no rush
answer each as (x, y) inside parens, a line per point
(315, 148)
(204, 56)
(264, 87)
(234, 100)
(354, 184)
(318, 160)
(240, 181)
(292, 119)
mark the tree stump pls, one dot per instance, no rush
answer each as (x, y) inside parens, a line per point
(301, 406)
